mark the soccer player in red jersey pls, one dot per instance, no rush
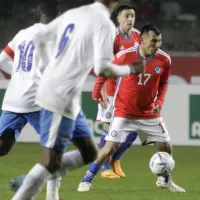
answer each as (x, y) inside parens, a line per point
(139, 99)
(126, 36)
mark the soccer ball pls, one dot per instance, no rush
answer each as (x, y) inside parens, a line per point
(162, 164)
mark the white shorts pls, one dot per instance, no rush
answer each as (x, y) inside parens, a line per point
(149, 130)
(105, 115)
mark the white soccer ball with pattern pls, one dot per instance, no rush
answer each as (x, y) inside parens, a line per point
(162, 164)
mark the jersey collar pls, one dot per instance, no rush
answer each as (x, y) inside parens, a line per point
(125, 37)
(141, 58)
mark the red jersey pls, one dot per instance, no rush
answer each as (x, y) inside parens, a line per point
(136, 94)
(121, 42)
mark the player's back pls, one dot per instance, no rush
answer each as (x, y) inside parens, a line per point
(20, 94)
(77, 31)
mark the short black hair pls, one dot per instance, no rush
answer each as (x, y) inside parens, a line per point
(48, 8)
(118, 10)
(150, 27)
(124, 7)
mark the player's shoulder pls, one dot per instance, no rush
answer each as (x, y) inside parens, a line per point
(28, 32)
(135, 31)
(126, 52)
(163, 55)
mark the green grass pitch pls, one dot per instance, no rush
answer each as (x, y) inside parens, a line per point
(138, 185)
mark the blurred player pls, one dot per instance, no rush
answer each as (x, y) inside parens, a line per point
(139, 100)
(127, 36)
(60, 88)
(18, 106)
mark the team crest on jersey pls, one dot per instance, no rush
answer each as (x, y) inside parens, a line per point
(157, 70)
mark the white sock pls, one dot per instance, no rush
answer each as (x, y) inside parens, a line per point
(53, 186)
(164, 179)
(71, 160)
(33, 183)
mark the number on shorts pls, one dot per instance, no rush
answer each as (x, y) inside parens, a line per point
(65, 39)
(143, 82)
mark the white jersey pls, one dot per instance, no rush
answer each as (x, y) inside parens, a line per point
(85, 35)
(21, 91)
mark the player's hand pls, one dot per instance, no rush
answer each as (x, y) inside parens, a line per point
(156, 109)
(102, 102)
(138, 67)
(105, 98)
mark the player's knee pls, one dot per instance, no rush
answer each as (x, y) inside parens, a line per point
(7, 141)
(90, 155)
(164, 146)
(108, 150)
(53, 166)
(5, 147)
(52, 161)
(106, 126)
(3, 152)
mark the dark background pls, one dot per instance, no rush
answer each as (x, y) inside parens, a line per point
(178, 20)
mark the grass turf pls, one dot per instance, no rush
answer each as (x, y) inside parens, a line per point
(138, 185)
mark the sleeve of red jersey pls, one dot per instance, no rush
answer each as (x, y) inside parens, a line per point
(163, 85)
(98, 86)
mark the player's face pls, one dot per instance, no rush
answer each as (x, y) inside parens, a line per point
(151, 42)
(126, 19)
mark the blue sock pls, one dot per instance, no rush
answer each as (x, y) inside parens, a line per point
(102, 141)
(124, 146)
(91, 172)
(105, 166)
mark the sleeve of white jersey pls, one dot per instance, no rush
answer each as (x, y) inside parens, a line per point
(103, 40)
(6, 62)
(7, 57)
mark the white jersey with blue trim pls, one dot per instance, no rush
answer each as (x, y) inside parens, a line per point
(84, 36)
(26, 74)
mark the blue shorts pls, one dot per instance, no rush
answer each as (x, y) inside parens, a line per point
(57, 131)
(17, 121)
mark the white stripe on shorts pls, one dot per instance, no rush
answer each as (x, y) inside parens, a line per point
(53, 130)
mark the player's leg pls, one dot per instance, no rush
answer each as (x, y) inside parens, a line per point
(84, 141)
(51, 161)
(53, 184)
(94, 167)
(115, 158)
(155, 131)
(11, 125)
(55, 133)
(106, 171)
(105, 116)
(33, 119)
(116, 136)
